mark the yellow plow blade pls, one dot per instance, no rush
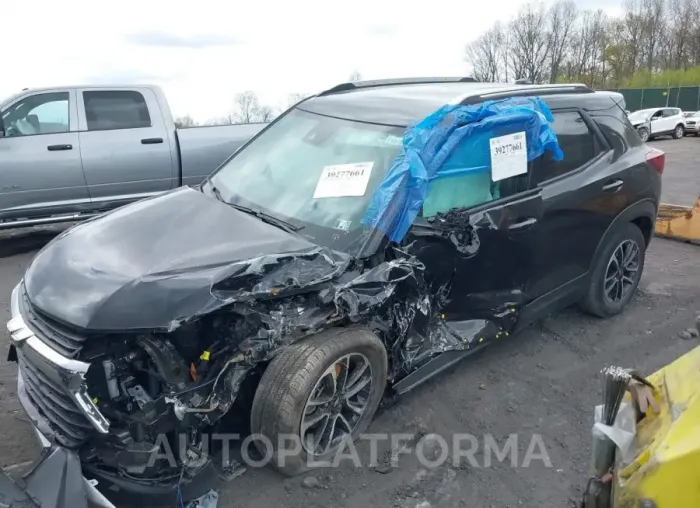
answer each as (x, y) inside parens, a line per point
(666, 470)
(679, 222)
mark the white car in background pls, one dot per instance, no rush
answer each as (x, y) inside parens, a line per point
(692, 122)
(654, 122)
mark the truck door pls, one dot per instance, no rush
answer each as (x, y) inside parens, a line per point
(40, 169)
(124, 145)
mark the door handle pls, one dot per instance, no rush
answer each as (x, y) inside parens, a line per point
(151, 141)
(58, 148)
(524, 224)
(613, 186)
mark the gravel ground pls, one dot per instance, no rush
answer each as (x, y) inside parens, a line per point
(540, 384)
(682, 173)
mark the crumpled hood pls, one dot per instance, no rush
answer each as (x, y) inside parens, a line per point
(167, 259)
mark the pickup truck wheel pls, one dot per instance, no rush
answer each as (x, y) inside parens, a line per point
(644, 134)
(316, 395)
(616, 272)
(678, 132)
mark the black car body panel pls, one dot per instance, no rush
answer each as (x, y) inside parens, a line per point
(150, 265)
(185, 297)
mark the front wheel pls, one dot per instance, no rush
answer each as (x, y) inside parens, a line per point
(616, 272)
(316, 395)
(644, 134)
(678, 132)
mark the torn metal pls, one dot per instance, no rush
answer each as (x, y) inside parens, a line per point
(177, 332)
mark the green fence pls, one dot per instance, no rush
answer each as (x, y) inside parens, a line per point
(685, 97)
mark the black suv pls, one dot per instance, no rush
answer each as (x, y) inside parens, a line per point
(262, 294)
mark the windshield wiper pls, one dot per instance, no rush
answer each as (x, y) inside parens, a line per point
(270, 219)
(265, 217)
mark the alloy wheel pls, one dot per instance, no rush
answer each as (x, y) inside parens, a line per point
(644, 134)
(679, 132)
(336, 404)
(622, 271)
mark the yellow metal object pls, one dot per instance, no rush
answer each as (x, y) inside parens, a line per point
(205, 356)
(666, 470)
(679, 222)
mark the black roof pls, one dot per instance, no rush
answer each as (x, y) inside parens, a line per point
(403, 102)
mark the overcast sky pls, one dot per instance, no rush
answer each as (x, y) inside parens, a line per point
(203, 52)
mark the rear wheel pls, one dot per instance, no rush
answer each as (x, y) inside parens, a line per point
(678, 132)
(616, 272)
(318, 394)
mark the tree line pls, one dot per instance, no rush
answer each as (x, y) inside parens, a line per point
(247, 108)
(652, 43)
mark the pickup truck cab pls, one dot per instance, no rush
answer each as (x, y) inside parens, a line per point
(73, 152)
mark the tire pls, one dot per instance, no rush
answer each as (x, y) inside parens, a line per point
(644, 134)
(678, 132)
(596, 301)
(301, 370)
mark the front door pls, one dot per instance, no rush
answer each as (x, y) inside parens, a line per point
(658, 125)
(40, 165)
(479, 238)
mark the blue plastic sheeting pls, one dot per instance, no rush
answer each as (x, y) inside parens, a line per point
(462, 132)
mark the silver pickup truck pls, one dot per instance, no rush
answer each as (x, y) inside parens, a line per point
(73, 152)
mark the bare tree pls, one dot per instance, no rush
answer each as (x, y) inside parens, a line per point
(185, 121)
(247, 106)
(264, 114)
(562, 18)
(485, 55)
(529, 48)
(653, 14)
(560, 43)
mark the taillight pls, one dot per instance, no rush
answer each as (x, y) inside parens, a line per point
(657, 158)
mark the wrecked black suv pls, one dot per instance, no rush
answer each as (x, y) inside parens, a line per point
(370, 237)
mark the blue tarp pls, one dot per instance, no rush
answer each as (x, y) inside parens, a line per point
(454, 130)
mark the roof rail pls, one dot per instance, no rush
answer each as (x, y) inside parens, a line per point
(354, 85)
(522, 90)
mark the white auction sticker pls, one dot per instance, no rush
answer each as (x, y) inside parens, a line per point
(344, 180)
(508, 156)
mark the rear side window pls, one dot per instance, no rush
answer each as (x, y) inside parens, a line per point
(122, 109)
(671, 112)
(576, 140)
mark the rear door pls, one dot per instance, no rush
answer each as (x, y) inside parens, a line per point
(40, 166)
(582, 194)
(125, 147)
(672, 117)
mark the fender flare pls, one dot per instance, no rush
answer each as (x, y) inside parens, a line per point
(646, 208)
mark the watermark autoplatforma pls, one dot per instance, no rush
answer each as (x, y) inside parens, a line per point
(431, 450)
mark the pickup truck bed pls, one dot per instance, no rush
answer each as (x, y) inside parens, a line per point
(73, 152)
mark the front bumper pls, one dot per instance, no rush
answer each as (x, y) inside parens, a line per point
(64, 385)
(692, 128)
(64, 372)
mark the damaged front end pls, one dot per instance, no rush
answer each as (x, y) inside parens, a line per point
(113, 398)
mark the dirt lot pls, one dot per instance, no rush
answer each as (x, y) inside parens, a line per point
(541, 382)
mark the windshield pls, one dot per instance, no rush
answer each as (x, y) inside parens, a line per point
(641, 115)
(314, 171)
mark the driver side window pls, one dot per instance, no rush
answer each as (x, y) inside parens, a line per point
(466, 189)
(45, 113)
